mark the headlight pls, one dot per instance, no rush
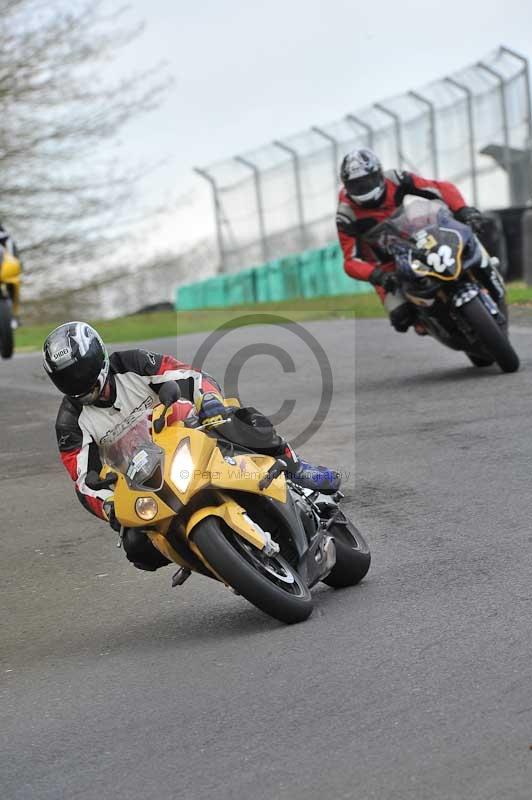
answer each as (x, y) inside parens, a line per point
(182, 466)
(146, 508)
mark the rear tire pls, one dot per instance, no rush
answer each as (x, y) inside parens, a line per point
(353, 558)
(239, 565)
(490, 335)
(7, 341)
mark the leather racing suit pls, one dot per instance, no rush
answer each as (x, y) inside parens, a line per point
(136, 377)
(354, 221)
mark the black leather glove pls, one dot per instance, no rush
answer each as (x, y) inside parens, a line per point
(471, 216)
(109, 511)
(387, 280)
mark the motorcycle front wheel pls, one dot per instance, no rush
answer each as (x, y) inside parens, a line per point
(7, 341)
(268, 582)
(490, 335)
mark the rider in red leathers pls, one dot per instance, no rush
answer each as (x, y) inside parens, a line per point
(368, 197)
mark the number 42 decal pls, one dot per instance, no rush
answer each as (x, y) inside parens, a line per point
(442, 259)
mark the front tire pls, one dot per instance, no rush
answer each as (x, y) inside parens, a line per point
(353, 558)
(7, 342)
(270, 584)
(491, 337)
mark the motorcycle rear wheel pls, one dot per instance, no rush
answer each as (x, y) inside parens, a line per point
(7, 341)
(269, 583)
(492, 338)
(353, 557)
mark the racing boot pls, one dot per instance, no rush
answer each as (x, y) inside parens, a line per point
(140, 551)
(308, 476)
(402, 317)
(401, 313)
(319, 479)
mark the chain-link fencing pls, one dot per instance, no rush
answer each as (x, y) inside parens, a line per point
(473, 128)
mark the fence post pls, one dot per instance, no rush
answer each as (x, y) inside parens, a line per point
(433, 136)
(294, 155)
(526, 73)
(218, 216)
(398, 131)
(471, 125)
(260, 205)
(334, 149)
(505, 129)
(370, 132)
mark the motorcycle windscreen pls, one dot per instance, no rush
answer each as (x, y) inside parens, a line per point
(428, 226)
(132, 452)
(415, 216)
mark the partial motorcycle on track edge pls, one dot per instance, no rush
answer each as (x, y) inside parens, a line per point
(10, 270)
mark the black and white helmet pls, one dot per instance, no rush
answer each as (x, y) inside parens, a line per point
(77, 361)
(362, 176)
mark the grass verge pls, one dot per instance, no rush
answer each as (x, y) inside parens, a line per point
(142, 327)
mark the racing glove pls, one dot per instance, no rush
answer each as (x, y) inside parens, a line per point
(471, 216)
(387, 280)
(403, 261)
(210, 407)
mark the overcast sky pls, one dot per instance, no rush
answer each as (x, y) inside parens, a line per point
(249, 72)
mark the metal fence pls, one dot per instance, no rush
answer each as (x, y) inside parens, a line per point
(473, 128)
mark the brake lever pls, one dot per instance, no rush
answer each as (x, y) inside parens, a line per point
(209, 425)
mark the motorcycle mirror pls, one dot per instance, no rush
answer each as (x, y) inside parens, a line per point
(169, 393)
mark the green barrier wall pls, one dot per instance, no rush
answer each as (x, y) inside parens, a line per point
(314, 273)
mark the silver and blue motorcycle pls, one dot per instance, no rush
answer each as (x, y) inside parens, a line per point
(455, 289)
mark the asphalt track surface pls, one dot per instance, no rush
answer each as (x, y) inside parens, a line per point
(416, 684)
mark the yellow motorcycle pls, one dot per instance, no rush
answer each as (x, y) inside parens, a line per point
(196, 495)
(10, 270)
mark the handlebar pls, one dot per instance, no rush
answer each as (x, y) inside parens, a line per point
(94, 482)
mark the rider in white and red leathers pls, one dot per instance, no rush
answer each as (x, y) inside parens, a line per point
(136, 377)
(104, 394)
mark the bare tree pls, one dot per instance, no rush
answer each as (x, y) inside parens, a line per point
(61, 195)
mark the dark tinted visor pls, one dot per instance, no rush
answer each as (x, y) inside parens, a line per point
(77, 379)
(365, 184)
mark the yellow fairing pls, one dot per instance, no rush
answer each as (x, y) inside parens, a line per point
(245, 475)
(163, 546)
(234, 516)
(125, 500)
(208, 468)
(211, 468)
